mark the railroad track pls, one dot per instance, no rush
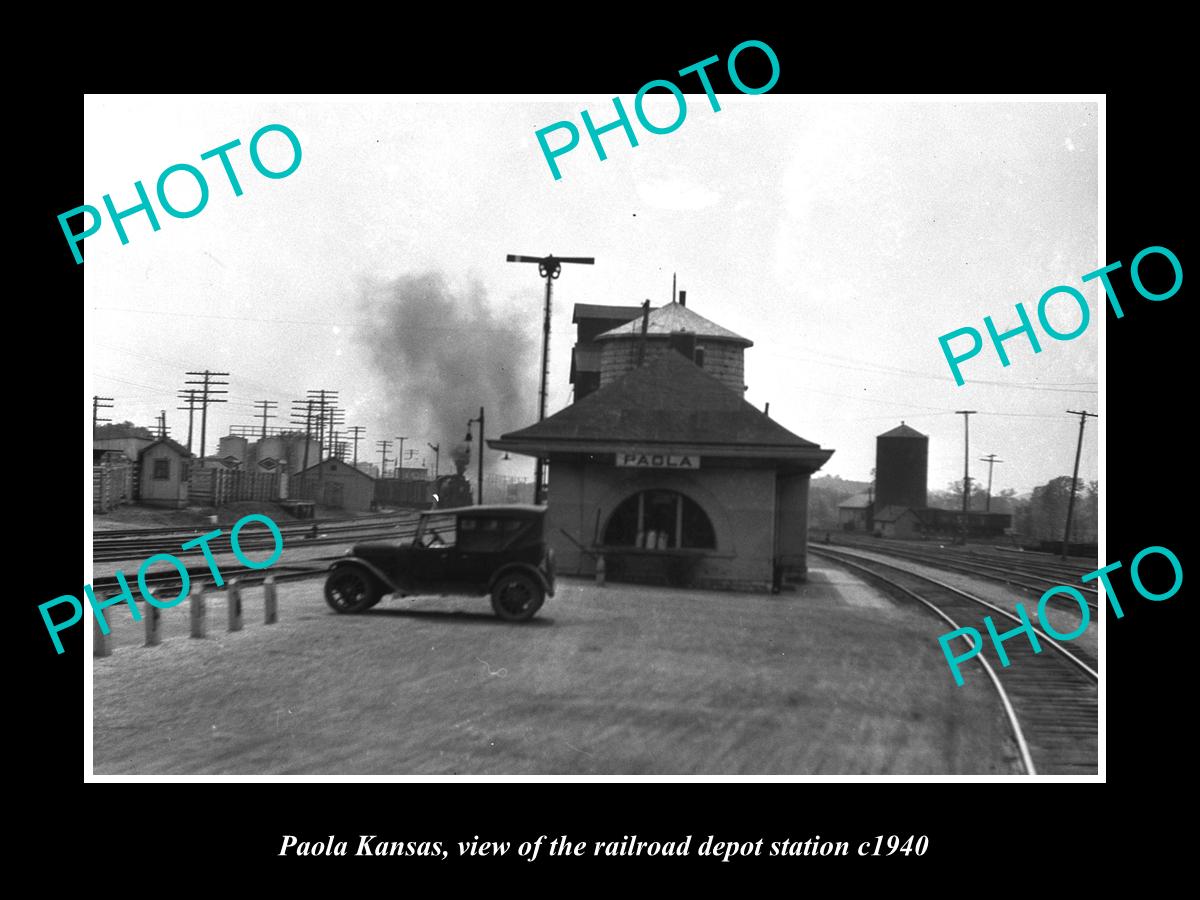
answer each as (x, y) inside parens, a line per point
(109, 550)
(201, 576)
(1050, 698)
(968, 565)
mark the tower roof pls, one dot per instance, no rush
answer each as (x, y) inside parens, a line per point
(903, 431)
(674, 317)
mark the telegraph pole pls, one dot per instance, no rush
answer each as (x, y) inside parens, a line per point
(549, 267)
(336, 417)
(470, 422)
(383, 447)
(205, 390)
(266, 406)
(162, 424)
(191, 411)
(991, 460)
(437, 452)
(323, 401)
(302, 412)
(1083, 417)
(96, 407)
(966, 414)
(356, 435)
(400, 455)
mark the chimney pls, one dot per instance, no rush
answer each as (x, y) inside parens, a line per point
(645, 326)
(683, 298)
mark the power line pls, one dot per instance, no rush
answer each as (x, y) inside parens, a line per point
(966, 414)
(191, 410)
(356, 435)
(383, 447)
(991, 460)
(96, 407)
(206, 390)
(304, 417)
(266, 406)
(1083, 417)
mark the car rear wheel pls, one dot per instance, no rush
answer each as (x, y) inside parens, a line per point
(351, 590)
(517, 597)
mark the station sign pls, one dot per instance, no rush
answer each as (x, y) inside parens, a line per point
(636, 459)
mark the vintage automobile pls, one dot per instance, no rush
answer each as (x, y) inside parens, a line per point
(496, 550)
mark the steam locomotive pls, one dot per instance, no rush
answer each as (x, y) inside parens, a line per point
(454, 490)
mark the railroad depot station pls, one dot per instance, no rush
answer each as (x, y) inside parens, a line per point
(661, 470)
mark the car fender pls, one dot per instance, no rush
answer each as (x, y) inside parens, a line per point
(363, 564)
(526, 569)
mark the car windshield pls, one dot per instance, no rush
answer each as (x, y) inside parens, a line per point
(437, 531)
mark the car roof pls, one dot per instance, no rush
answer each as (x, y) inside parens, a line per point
(490, 509)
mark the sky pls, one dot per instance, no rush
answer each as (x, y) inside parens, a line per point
(842, 237)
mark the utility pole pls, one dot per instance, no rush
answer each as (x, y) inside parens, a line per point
(205, 390)
(356, 435)
(162, 424)
(302, 414)
(266, 406)
(191, 411)
(383, 447)
(966, 414)
(1083, 417)
(400, 455)
(437, 451)
(470, 422)
(335, 417)
(323, 401)
(549, 267)
(96, 407)
(991, 460)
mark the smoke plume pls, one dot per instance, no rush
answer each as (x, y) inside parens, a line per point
(440, 355)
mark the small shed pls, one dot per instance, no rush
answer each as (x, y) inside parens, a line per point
(854, 513)
(899, 522)
(165, 471)
(334, 483)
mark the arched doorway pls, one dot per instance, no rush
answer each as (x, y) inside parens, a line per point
(660, 520)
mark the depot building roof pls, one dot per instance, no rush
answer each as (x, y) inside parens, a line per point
(670, 405)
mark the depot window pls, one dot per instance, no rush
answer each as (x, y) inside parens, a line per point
(660, 520)
(162, 470)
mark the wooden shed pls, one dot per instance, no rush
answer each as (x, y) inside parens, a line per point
(165, 470)
(334, 483)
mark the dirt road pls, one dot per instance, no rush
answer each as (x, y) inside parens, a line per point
(834, 679)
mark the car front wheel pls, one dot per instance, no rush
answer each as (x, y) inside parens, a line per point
(517, 597)
(351, 590)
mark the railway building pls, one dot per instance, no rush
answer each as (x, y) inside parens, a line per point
(334, 483)
(165, 474)
(661, 471)
(128, 441)
(854, 513)
(593, 320)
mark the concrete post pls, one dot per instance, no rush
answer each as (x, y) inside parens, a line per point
(198, 612)
(234, 598)
(152, 616)
(270, 601)
(100, 643)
